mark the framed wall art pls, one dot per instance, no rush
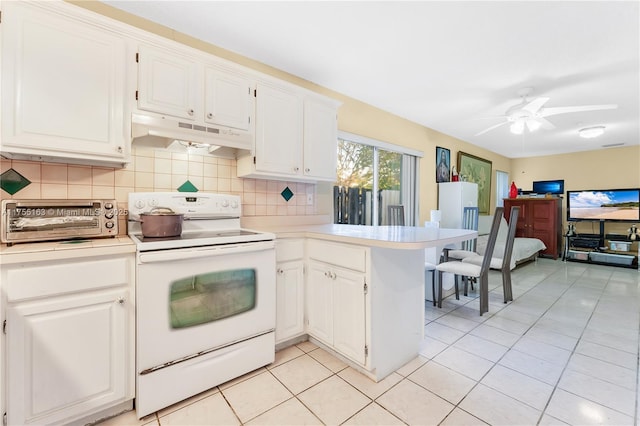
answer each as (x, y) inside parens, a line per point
(443, 164)
(477, 170)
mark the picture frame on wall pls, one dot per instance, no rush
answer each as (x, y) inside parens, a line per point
(443, 164)
(477, 170)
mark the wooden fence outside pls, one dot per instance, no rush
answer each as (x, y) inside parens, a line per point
(352, 205)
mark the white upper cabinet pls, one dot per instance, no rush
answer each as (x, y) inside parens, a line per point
(168, 83)
(228, 99)
(278, 131)
(63, 85)
(173, 83)
(320, 139)
(77, 87)
(296, 136)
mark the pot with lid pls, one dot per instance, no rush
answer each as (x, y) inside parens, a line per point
(161, 222)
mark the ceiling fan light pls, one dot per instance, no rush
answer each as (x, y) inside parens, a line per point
(533, 125)
(591, 132)
(517, 127)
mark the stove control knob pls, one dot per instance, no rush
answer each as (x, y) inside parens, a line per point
(225, 203)
(140, 204)
(153, 202)
(109, 214)
(109, 225)
(234, 204)
(108, 206)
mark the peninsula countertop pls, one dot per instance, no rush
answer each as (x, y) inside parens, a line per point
(397, 237)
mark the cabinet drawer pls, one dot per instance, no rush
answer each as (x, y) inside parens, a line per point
(286, 249)
(27, 281)
(345, 255)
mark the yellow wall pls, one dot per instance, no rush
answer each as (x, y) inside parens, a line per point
(603, 169)
(610, 168)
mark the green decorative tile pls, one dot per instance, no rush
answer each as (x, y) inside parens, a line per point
(187, 187)
(286, 194)
(12, 181)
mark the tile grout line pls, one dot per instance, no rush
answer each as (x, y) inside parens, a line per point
(477, 382)
(542, 412)
(555, 387)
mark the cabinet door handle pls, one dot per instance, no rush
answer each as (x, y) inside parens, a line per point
(119, 149)
(190, 112)
(209, 115)
(295, 169)
(330, 275)
(280, 271)
(307, 170)
(121, 300)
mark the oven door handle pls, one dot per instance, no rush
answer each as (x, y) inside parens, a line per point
(197, 252)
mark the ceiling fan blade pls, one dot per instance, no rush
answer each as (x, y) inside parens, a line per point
(491, 128)
(563, 110)
(535, 105)
(546, 124)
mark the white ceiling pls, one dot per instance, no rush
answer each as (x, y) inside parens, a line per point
(447, 65)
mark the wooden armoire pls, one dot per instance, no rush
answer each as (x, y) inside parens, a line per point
(539, 218)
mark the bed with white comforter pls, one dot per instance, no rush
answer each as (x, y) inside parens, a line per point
(524, 249)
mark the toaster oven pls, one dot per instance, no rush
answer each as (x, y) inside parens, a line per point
(46, 220)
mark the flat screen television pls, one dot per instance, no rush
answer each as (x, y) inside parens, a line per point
(549, 187)
(622, 205)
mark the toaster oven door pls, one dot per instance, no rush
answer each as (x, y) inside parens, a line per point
(42, 220)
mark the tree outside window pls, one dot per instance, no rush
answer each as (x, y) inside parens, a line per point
(354, 202)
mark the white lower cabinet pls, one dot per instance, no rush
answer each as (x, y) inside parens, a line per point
(320, 302)
(289, 289)
(289, 300)
(69, 352)
(366, 303)
(337, 297)
(336, 309)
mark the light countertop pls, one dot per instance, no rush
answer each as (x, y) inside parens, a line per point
(53, 250)
(397, 237)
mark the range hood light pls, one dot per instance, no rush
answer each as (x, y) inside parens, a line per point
(189, 144)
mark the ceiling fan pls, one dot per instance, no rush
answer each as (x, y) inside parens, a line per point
(532, 115)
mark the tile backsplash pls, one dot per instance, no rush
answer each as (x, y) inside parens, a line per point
(160, 170)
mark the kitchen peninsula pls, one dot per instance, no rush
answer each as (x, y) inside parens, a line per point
(363, 289)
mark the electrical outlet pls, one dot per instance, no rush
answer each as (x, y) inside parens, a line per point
(309, 199)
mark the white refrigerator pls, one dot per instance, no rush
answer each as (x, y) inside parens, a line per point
(453, 197)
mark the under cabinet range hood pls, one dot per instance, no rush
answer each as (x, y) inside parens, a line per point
(179, 135)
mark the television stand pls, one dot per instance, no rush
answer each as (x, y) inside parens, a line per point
(601, 249)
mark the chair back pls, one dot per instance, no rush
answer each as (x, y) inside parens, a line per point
(491, 243)
(395, 214)
(511, 234)
(470, 221)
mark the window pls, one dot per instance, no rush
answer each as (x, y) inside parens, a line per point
(502, 187)
(367, 167)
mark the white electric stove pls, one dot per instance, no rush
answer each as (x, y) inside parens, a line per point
(205, 301)
(209, 219)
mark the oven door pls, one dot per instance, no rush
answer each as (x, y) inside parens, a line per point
(195, 300)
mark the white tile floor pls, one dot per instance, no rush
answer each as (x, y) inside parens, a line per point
(565, 351)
